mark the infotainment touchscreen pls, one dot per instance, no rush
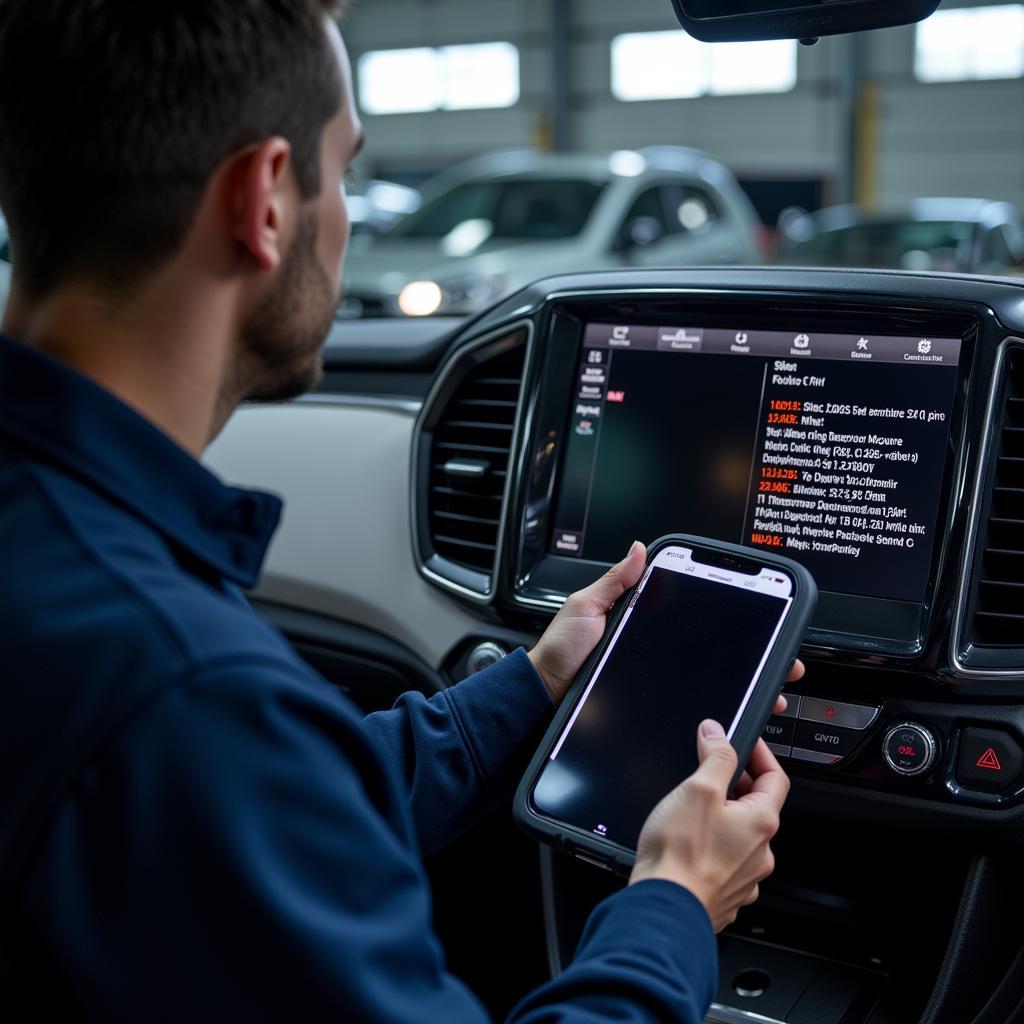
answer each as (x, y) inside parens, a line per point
(829, 448)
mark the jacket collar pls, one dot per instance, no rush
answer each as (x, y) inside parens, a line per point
(53, 409)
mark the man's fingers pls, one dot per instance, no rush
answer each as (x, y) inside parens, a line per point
(797, 671)
(603, 593)
(717, 761)
(780, 705)
(761, 760)
(770, 782)
(757, 765)
(743, 786)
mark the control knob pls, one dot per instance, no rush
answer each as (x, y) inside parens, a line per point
(484, 655)
(909, 748)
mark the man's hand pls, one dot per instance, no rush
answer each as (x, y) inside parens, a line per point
(716, 847)
(578, 627)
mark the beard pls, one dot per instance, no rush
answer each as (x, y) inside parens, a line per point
(281, 341)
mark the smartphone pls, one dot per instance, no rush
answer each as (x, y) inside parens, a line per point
(710, 631)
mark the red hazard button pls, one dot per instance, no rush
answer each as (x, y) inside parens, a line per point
(989, 759)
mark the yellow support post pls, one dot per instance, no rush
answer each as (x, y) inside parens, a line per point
(866, 162)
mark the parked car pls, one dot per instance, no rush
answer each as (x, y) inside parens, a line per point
(975, 236)
(492, 225)
(374, 205)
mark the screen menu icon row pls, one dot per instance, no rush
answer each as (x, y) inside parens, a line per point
(775, 344)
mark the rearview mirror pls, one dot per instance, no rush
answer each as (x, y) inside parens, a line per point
(722, 21)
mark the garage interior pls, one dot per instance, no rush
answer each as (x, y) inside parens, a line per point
(862, 122)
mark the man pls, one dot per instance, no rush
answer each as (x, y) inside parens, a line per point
(193, 825)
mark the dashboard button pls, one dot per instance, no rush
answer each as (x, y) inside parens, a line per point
(793, 705)
(826, 739)
(780, 749)
(989, 759)
(780, 731)
(909, 748)
(831, 712)
(814, 756)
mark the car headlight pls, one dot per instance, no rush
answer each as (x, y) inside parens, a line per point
(455, 296)
(420, 298)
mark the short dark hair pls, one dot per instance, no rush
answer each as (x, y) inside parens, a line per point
(115, 113)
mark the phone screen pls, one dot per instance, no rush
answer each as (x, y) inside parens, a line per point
(691, 646)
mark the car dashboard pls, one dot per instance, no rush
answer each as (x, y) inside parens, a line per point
(445, 500)
(867, 425)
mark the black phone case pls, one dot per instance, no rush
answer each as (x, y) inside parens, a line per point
(602, 852)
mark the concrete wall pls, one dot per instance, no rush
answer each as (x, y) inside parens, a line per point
(957, 138)
(938, 139)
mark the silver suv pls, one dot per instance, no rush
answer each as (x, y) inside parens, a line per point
(493, 224)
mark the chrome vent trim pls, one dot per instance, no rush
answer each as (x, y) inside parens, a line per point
(988, 634)
(469, 422)
(469, 455)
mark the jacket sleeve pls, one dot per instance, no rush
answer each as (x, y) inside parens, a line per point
(241, 852)
(461, 752)
(648, 953)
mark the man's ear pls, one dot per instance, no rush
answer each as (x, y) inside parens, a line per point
(261, 197)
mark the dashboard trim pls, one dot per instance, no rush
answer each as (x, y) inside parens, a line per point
(409, 406)
(956, 651)
(765, 291)
(448, 367)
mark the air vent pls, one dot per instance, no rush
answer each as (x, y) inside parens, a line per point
(468, 449)
(998, 619)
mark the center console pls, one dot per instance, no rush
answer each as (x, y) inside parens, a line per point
(868, 425)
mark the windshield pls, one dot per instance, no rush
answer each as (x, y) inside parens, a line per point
(588, 143)
(516, 208)
(906, 245)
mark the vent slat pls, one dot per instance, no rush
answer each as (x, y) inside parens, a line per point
(1000, 629)
(478, 425)
(440, 467)
(1005, 534)
(459, 517)
(455, 446)
(460, 542)
(455, 492)
(1008, 596)
(998, 621)
(477, 422)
